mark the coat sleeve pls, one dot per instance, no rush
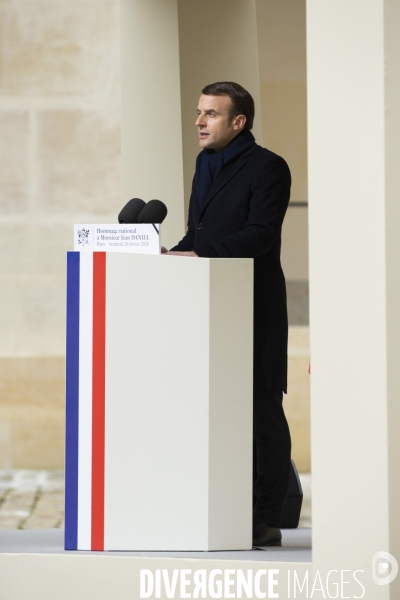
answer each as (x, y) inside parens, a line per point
(270, 193)
(187, 242)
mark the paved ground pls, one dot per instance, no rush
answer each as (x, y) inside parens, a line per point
(35, 499)
(31, 499)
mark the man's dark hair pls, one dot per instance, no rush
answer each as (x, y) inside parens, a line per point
(242, 101)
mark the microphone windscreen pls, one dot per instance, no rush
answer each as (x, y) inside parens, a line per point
(131, 210)
(155, 211)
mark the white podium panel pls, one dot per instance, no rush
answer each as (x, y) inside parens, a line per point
(159, 403)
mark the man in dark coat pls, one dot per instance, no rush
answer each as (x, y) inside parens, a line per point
(239, 199)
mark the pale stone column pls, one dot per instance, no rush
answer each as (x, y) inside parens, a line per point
(217, 42)
(354, 181)
(281, 35)
(151, 108)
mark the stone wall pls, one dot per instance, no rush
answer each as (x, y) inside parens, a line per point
(59, 164)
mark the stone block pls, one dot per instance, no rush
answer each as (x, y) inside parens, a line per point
(17, 249)
(5, 449)
(32, 381)
(50, 500)
(44, 308)
(42, 329)
(9, 522)
(52, 243)
(54, 482)
(79, 162)
(297, 302)
(38, 438)
(14, 161)
(32, 274)
(49, 512)
(295, 244)
(297, 401)
(284, 110)
(6, 481)
(51, 47)
(10, 315)
(36, 522)
(32, 410)
(18, 503)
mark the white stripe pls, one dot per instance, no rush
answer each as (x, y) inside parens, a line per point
(85, 401)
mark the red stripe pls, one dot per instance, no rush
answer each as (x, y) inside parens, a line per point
(98, 398)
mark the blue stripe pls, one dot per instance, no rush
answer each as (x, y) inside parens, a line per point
(72, 403)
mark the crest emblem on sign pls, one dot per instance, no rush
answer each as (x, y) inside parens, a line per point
(83, 236)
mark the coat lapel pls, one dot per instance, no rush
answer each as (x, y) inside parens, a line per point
(226, 176)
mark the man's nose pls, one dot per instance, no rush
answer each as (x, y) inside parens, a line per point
(199, 121)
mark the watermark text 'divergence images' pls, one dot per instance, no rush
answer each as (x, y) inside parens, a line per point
(265, 583)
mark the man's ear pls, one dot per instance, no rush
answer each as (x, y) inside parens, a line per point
(239, 122)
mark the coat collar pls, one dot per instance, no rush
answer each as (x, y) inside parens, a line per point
(226, 176)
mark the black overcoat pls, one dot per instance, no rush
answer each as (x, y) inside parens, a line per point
(242, 218)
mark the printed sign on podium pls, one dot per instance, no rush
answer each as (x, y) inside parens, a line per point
(140, 238)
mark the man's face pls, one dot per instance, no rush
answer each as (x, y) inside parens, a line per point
(215, 128)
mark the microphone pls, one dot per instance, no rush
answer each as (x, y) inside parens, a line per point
(155, 211)
(131, 210)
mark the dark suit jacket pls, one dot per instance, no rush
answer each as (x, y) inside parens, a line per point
(242, 218)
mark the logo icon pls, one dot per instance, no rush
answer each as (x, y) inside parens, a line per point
(83, 236)
(385, 564)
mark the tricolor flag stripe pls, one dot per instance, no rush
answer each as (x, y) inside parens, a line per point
(72, 402)
(98, 398)
(85, 401)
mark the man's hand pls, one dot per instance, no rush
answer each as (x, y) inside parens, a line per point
(175, 253)
(163, 250)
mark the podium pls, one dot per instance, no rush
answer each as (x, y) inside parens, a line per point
(158, 403)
